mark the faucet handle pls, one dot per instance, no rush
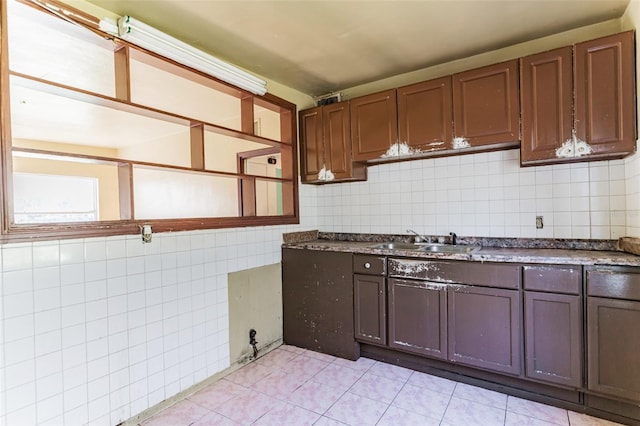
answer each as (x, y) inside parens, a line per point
(454, 238)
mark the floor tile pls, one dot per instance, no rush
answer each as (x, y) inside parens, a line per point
(356, 410)
(288, 414)
(276, 358)
(326, 421)
(303, 365)
(217, 393)
(434, 383)
(481, 395)
(362, 364)
(538, 411)
(579, 419)
(515, 419)
(249, 374)
(395, 416)
(377, 388)
(214, 419)
(290, 348)
(315, 396)
(318, 355)
(390, 371)
(182, 413)
(280, 384)
(338, 377)
(462, 412)
(422, 401)
(247, 407)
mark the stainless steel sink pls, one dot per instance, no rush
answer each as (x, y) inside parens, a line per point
(397, 246)
(448, 248)
(432, 247)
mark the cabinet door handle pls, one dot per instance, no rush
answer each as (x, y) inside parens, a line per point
(367, 265)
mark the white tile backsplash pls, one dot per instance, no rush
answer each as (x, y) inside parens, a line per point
(488, 194)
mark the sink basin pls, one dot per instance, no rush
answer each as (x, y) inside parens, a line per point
(397, 246)
(448, 248)
(434, 248)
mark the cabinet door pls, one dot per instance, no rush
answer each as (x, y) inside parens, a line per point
(553, 343)
(317, 302)
(484, 328)
(425, 114)
(605, 87)
(337, 139)
(311, 143)
(546, 97)
(374, 126)
(418, 317)
(486, 107)
(613, 347)
(370, 309)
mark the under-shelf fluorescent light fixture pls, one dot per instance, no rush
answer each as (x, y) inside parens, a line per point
(147, 37)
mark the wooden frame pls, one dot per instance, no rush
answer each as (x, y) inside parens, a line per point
(123, 51)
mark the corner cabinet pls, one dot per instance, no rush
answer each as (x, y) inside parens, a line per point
(578, 103)
(325, 142)
(425, 114)
(374, 125)
(486, 108)
(317, 300)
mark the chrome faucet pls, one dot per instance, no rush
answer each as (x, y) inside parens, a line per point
(454, 238)
(419, 238)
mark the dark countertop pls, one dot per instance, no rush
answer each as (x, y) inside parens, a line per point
(535, 251)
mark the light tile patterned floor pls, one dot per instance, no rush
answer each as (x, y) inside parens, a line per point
(294, 387)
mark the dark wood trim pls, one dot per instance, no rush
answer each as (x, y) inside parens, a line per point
(247, 115)
(197, 146)
(122, 73)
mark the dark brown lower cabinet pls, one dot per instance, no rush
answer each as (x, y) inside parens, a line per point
(614, 347)
(317, 301)
(553, 338)
(418, 317)
(370, 308)
(484, 328)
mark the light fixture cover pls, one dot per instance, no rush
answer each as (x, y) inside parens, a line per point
(147, 37)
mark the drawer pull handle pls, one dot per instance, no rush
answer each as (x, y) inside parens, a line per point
(367, 265)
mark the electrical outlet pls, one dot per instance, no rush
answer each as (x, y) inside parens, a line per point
(539, 223)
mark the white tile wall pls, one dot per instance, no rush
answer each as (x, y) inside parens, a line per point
(94, 331)
(487, 194)
(632, 176)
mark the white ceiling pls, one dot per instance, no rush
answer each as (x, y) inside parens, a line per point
(323, 46)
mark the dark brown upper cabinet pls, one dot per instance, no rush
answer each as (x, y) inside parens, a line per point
(546, 87)
(325, 141)
(425, 114)
(605, 102)
(578, 104)
(374, 125)
(486, 108)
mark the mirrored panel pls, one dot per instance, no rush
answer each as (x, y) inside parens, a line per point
(170, 88)
(167, 194)
(51, 189)
(43, 46)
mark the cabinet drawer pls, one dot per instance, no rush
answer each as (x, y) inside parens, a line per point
(614, 283)
(501, 275)
(553, 278)
(367, 264)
